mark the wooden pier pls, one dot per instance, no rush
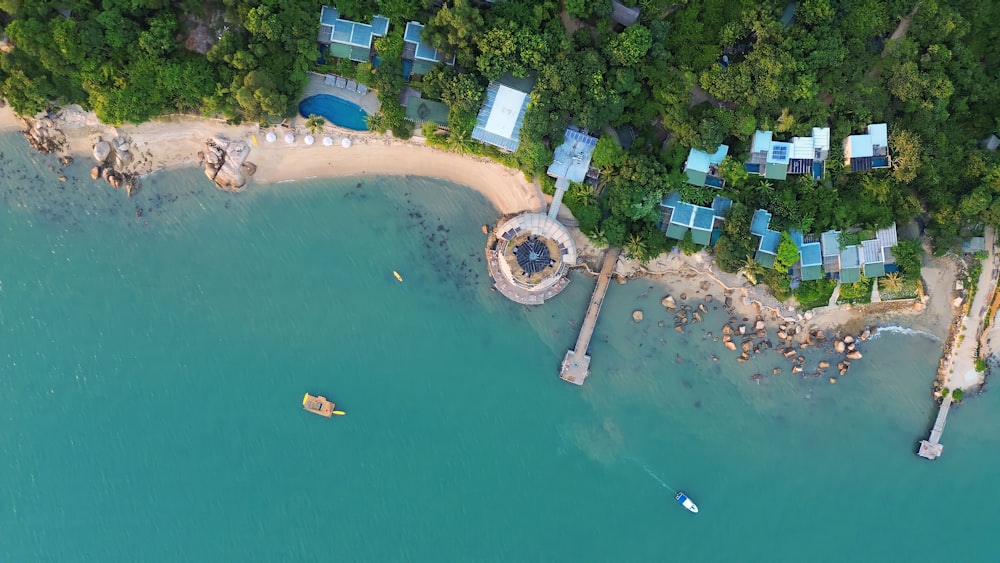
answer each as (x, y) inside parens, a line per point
(576, 364)
(931, 448)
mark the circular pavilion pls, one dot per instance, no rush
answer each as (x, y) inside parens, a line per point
(529, 256)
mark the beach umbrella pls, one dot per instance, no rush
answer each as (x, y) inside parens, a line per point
(345, 143)
(327, 142)
(309, 139)
(270, 137)
(289, 138)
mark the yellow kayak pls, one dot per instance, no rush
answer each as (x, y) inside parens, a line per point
(398, 277)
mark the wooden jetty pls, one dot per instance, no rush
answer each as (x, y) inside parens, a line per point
(576, 364)
(318, 405)
(932, 447)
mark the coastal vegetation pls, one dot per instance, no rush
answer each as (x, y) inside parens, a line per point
(693, 74)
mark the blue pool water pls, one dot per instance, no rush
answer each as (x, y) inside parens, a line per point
(335, 110)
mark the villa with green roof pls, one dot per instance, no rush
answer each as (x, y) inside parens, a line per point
(704, 223)
(702, 169)
(345, 39)
(868, 151)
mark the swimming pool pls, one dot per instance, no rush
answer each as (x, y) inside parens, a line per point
(335, 110)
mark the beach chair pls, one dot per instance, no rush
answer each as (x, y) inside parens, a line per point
(352, 86)
(362, 89)
(341, 82)
(330, 80)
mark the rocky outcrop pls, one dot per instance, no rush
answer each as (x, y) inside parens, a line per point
(113, 170)
(42, 135)
(226, 164)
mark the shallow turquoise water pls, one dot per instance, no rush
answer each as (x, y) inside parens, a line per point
(152, 369)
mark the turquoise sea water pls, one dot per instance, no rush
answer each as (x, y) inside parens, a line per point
(152, 369)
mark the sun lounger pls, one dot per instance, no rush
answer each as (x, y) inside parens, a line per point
(352, 86)
(330, 80)
(341, 82)
(362, 89)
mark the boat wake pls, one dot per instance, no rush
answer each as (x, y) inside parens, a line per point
(654, 475)
(905, 331)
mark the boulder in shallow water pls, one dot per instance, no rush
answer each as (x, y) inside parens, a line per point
(102, 150)
(855, 355)
(95, 172)
(637, 315)
(669, 302)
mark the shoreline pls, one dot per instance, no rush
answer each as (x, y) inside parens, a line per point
(174, 142)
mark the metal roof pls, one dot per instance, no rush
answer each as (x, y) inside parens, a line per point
(879, 134)
(352, 33)
(761, 141)
(769, 242)
(810, 273)
(810, 255)
(572, 157)
(859, 146)
(760, 222)
(872, 252)
(423, 51)
(501, 117)
(850, 257)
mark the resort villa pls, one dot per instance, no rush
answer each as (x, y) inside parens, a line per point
(345, 39)
(768, 240)
(704, 223)
(868, 151)
(571, 163)
(872, 258)
(502, 114)
(775, 160)
(702, 169)
(419, 57)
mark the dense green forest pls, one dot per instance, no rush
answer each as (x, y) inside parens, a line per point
(650, 91)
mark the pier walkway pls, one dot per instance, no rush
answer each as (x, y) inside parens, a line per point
(576, 364)
(931, 448)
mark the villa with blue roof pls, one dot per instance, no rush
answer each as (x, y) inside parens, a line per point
(868, 151)
(704, 223)
(345, 39)
(768, 239)
(702, 169)
(776, 160)
(810, 266)
(419, 57)
(501, 116)
(873, 258)
(571, 163)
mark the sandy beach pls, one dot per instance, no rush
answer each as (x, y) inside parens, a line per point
(175, 141)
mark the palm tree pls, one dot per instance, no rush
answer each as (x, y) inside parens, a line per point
(892, 283)
(460, 140)
(750, 270)
(585, 195)
(635, 247)
(598, 237)
(315, 123)
(703, 196)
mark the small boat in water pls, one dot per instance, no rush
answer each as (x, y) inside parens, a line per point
(398, 277)
(687, 503)
(320, 405)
